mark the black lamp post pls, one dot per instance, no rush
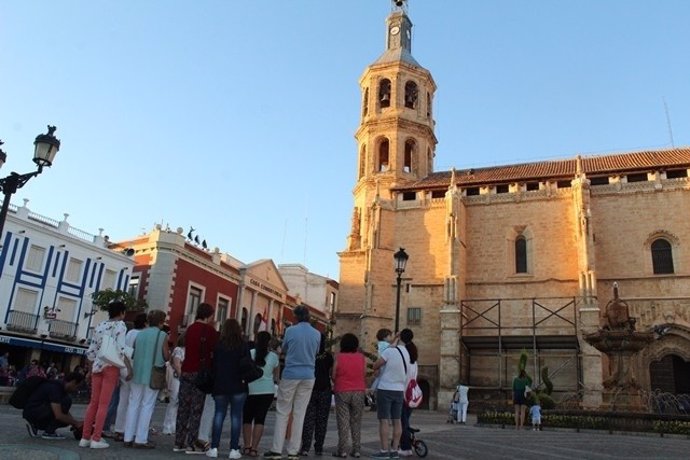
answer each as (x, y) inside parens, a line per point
(46, 147)
(400, 262)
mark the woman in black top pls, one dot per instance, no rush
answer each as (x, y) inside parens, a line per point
(228, 388)
(316, 417)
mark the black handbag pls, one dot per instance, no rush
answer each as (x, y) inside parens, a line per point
(204, 378)
(249, 371)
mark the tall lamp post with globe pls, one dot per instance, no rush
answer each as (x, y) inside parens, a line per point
(46, 147)
(400, 263)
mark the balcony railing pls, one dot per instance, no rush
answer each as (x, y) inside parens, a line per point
(63, 329)
(22, 321)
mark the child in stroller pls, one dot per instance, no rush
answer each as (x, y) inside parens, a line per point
(453, 408)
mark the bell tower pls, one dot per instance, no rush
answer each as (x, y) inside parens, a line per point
(395, 147)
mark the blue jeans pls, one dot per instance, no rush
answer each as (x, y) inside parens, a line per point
(405, 441)
(112, 408)
(236, 402)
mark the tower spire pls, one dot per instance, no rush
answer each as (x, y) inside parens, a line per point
(398, 36)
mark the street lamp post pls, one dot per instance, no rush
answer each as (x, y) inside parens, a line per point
(46, 147)
(400, 262)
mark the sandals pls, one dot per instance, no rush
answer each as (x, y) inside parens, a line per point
(249, 452)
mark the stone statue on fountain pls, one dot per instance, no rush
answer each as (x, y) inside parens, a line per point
(619, 341)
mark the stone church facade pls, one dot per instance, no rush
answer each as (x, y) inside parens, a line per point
(509, 258)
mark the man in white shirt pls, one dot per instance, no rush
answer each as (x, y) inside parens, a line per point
(392, 367)
(463, 403)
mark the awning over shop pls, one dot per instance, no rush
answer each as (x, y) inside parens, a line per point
(48, 345)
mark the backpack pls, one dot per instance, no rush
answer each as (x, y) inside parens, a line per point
(413, 394)
(24, 391)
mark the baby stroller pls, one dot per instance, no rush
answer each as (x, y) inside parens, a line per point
(453, 409)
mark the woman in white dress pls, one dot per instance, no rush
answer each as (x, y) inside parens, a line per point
(174, 371)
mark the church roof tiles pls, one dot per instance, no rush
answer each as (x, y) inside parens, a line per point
(558, 169)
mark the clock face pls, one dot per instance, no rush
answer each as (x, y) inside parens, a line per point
(395, 30)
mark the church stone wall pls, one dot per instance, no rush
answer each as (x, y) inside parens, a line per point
(623, 224)
(549, 227)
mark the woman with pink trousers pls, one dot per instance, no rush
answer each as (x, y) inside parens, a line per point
(104, 375)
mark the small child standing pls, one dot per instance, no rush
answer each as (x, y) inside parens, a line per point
(535, 415)
(384, 337)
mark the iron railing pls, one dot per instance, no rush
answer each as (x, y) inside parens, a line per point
(63, 329)
(21, 321)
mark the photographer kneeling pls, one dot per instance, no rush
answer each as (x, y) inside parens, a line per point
(48, 407)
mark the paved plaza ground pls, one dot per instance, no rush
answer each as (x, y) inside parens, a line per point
(445, 441)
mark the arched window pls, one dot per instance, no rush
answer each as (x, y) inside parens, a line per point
(365, 102)
(362, 161)
(383, 156)
(410, 152)
(243, 319)
(385, 93)
(257, 324)
(428, 105)
(662, 257)
(520, 254)
(411, 95)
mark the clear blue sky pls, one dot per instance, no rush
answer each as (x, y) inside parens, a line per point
(237, 117)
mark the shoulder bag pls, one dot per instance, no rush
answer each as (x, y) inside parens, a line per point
(249, 371)
(157, 381)
(109, 352)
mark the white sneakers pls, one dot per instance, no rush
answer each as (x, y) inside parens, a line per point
(213, 453)
(405, 453)
(84, 442)
(98, 444)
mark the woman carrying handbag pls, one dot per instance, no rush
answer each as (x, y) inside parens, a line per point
(150, 351)
(107, 356)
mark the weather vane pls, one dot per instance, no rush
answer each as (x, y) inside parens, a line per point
(400, 4)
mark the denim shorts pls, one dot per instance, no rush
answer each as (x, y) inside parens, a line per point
(389, 404)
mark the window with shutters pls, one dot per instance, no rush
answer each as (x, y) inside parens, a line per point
(222, 310)
(74, 267)
(193, 301)
(108, 279)
(35, 258)
(25, 300)
(414, 316)
(133, 288)
(67, 308)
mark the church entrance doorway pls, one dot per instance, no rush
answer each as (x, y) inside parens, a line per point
(671, 374)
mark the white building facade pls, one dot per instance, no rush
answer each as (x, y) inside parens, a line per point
(48, 271)
(315, 290)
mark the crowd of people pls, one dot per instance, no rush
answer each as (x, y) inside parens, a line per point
(10, 376)
(209, 373)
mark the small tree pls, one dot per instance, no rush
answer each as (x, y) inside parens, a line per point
(103, 298)
(542, 392)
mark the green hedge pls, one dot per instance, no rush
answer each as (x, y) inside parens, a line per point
(596, 421)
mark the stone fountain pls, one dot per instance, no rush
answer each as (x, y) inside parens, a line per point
(620, 342)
